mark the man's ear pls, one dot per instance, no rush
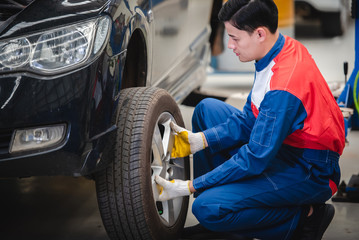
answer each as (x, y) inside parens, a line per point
(261, 34)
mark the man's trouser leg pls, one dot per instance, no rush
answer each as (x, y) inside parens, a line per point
(266, 207)
(209, 113)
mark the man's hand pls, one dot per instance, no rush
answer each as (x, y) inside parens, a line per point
(186, 142)
(172, 189)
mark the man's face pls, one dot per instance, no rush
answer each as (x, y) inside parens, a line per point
(244, 45)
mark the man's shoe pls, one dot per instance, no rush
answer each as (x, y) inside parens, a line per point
(314, 226)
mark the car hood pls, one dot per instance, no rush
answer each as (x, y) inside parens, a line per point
(44, 14)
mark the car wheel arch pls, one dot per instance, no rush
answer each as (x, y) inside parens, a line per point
(135, 68)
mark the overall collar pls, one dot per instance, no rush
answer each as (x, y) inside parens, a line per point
(263, 63)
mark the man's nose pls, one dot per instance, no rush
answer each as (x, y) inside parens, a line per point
(230, 44)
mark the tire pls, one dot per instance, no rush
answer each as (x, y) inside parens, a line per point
(140, 149)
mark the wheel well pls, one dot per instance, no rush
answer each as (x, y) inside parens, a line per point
(135, 70)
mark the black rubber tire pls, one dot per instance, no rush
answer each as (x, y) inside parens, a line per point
(124, 189)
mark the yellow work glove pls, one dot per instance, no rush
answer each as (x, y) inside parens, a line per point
(172, 189)
(186, 142)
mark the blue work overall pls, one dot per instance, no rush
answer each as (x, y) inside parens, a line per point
(281, 152)
(267, 206)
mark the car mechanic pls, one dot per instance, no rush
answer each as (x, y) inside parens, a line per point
(264, 172)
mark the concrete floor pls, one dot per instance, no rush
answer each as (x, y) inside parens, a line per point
(65, 208)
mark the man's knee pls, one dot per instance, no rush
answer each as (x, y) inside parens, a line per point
(203, 112)
(203, 107)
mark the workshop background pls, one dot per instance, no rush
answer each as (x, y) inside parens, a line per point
(65, 208)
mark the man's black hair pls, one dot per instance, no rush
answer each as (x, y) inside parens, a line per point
(248, 15)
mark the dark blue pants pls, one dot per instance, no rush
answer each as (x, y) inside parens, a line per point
(269, 205)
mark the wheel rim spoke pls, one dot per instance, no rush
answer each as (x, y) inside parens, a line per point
(157, 147)
(167, 137)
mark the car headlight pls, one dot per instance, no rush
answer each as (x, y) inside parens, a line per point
(15, 53)
(55, 50)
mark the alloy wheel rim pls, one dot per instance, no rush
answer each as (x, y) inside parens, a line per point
(165, 167)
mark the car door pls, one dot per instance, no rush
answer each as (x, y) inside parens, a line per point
(170, 38)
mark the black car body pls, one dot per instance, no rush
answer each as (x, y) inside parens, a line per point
(88, 88)
(145, 43)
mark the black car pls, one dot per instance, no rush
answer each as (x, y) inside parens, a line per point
(88, 88)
